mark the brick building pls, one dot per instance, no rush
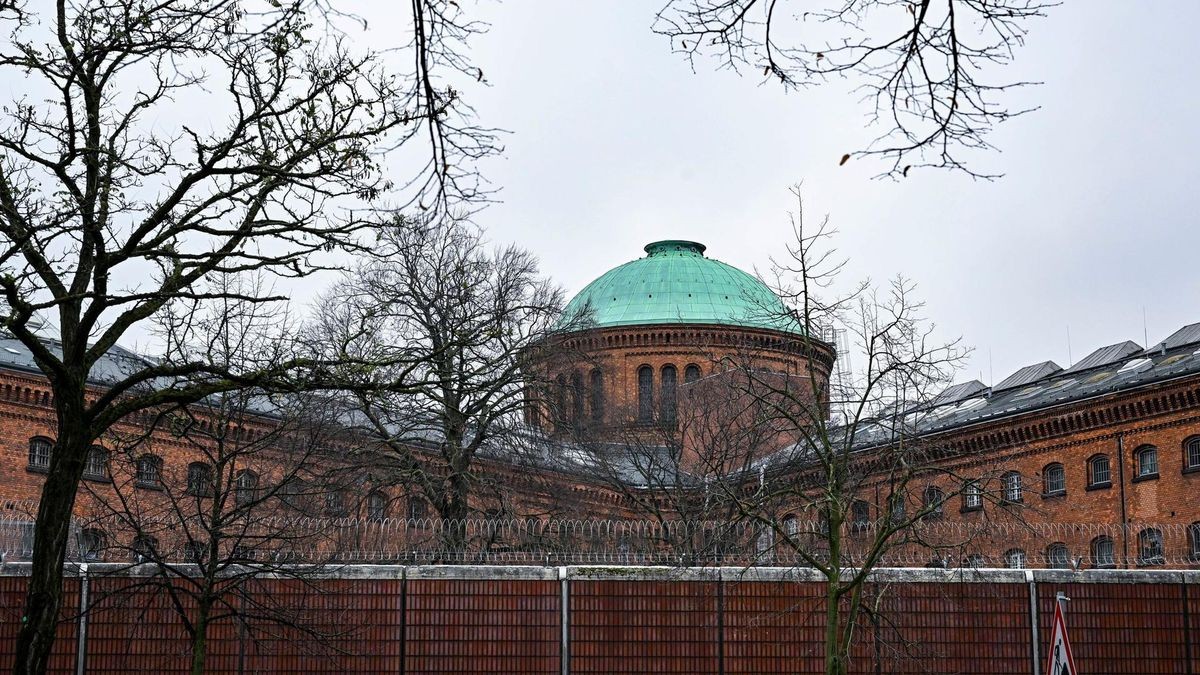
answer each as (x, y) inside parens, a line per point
(1100, 459)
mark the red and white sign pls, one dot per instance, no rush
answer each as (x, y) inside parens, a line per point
(1059, 659)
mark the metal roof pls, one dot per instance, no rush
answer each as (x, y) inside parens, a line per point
(1027, 375)
(959, 392)
(676, 284)
(1106, 355)
(1188, 335)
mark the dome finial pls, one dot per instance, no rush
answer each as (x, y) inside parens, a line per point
(675, 246)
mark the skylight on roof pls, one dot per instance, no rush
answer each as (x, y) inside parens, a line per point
(1136, 365)
(10, 350)
(971, 404)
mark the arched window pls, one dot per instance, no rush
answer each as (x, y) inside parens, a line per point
(377, 503)
(96, 467)
(1191, 454)
(1054, 480)
(200, 479)
(1014, 558)
(144, 548)
(1102, 552)
(597, 395)
(335, 503)
(577, 399)
(1011, 483)
(39, 452)
(1146, 460)
(931, 502)
(645, 376)
(416, 508)
(972, 496)
(764, 544)
(669, 376)
(791, 526)
(1058, 556)
(860, 516)
(1194, 540)
(560, 401)
(245, 487)
(148, 472)
(91, 543)
(691, 373)
(1099, 474)
(1150, 547)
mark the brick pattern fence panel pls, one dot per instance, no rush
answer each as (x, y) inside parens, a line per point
(774, 627)
(643, 626)
(945, 628)
(482, 626)
(12, 608)
(1120, 627)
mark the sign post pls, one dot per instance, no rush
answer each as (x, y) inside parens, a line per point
(1060, 661)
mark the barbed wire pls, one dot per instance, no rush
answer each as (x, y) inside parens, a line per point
(942, 543)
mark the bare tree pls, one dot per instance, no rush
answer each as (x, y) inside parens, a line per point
(449, 319)
(924, 67)
(255, 479)
(863, 485)
(116, 202)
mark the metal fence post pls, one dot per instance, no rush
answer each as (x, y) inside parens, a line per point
(81, 638)
(564, 621)
(1033, 623)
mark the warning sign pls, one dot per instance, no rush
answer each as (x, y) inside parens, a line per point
(1060, 660)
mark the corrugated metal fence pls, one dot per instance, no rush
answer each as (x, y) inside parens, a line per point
(491, 619)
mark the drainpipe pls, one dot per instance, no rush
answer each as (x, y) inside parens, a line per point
(1121, 479)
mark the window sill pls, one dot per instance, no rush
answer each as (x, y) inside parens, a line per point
(1105, 566)
(970, 509)
(1100, 486)
(97, 478)
(157, 487)
(1191, 469)
(1058, 494)
(1012, 502)
(37, 469)
(1149, 476)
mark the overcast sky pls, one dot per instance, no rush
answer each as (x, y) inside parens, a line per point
(615, 142)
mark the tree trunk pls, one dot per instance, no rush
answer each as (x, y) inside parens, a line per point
(51, 536)
(200, 636)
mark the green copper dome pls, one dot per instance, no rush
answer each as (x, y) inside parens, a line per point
(675, 283)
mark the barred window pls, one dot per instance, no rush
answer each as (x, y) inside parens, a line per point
(149, 471)
(1098, 471)
(1194, 540)
(200, 479)
(1102, 552)
(144, 549)
(96, 467)
(932, 499)
(860, 516)
(972, 496)
(1014, 558)
(691, 374)
(193, 552)
(577, 400)
(335, 503)
(416, 508)
(1191, 453)
(1147, 461)
(1012, 487)
(91, 543)
(1150, 547)
(1058, 556)
(245, 487)
(765, 543)
(791, 526)
(39, 452)
(1054, 480)
(975, 561)
(377, 505)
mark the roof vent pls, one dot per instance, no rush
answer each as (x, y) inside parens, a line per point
(678, 246)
